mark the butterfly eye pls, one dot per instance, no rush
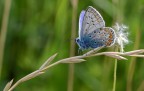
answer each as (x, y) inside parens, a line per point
(77, 40)
(90, 36)
(94, 31)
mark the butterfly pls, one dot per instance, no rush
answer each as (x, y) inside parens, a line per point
(92, 30)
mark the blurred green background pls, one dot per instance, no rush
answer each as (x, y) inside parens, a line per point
(38, 29)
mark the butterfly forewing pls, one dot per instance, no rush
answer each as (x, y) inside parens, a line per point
(92, 21)
(81, 17)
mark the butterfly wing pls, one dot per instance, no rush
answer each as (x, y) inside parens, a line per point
(102, 37)
(81, 17)
(92, 30)
(92, 20)
(110, 37)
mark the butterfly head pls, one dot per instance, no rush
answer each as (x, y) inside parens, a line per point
(80, 44)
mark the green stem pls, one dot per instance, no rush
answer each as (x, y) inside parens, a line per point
(3, 33)
(72, 45)
(115, 70)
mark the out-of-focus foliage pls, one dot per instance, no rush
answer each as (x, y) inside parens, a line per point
(39, 28)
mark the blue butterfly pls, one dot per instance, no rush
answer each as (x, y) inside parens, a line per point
(92, 30)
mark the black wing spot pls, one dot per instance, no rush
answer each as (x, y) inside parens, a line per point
(94, 31)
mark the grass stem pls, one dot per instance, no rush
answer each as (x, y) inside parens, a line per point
(115, 71)
(4, 31)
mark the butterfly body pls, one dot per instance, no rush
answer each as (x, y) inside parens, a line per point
(92, 30)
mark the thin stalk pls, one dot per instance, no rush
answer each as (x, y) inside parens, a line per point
(4, 31)
(70, 77)
(74, 59)
(115, 72)
(119, 18)
(72, 45)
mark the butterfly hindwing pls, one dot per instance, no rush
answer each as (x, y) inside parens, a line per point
(110, 36)
(102, 37)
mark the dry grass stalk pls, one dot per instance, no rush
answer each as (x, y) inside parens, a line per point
(3, 31)
(8, 85)
(27, 77)
(48, 61)
(75, 59)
